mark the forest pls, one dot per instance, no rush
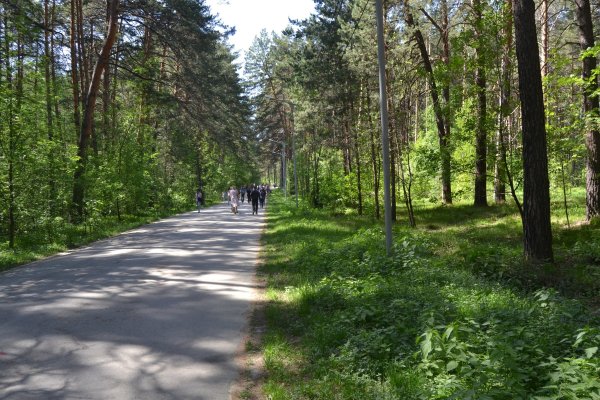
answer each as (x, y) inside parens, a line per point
(113, 113)
(122, 109)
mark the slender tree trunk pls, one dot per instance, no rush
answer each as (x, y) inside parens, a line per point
(437, 107)
(81, 50)
(591, 108)
(545, 37)
(74, 68)
(11, 136)
(355, 139)
(47, 61)
(53, 66)
(374, 159)
(90, 103)
(504, 113)
(393, 154)
(536, 185)
(481, 133)
(445, 33)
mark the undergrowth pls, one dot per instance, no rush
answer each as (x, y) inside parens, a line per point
(454, 314)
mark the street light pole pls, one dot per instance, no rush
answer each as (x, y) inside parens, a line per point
(384, 128)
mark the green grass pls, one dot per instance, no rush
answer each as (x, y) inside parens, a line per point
(455, 313)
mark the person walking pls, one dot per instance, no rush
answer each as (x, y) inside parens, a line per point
(262, 197)
(233, 199)
(243, 192)
(254, 196)
(198, 198)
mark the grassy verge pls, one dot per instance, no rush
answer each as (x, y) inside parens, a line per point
(456, 313)
(60, 235)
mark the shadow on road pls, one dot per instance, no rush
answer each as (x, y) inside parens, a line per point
(155, 313)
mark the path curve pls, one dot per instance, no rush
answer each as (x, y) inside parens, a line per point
(154, 313)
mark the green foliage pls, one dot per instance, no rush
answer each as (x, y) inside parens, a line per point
(448, 316)
(173, 117)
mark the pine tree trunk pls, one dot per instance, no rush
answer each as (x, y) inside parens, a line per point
(374, 159)
(545, 37)
(591, 108)
(437, 107)
(481, 133)
(504, 112)
(536, 186)
(47, 61)
(90, 103)
(11, 136)
(53, 66)
(74, 68)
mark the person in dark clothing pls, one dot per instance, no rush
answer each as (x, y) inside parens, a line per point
(254, 196)
(263, 196)
(198, 198)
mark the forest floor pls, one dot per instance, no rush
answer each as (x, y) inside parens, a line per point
(455, 313)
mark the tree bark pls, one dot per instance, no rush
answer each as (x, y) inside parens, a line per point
(591, 109)
(90, 103)
(374, 159)
(47, 61)
(481, 133)
(545, 37)
(504, 112)
(536, 186)
(437, 107)
(11, 137)
(74, 68)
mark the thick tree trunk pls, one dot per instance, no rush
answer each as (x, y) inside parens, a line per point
(437, 107)
(536, 186)
(90, 103)
(481, 133)
(591, 108)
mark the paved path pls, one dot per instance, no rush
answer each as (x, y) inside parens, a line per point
(155, 313)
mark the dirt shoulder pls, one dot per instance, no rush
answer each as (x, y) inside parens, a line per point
(249, 383)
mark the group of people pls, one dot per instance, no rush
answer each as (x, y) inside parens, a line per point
(255, 194)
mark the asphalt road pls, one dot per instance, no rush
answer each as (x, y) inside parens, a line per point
(154, 313)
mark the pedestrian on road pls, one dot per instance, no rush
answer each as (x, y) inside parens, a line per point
(198, 198)
(233, 199)
(243, 192)
(263, 196)
(254, 196)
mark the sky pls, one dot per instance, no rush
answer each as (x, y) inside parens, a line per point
(249, 17)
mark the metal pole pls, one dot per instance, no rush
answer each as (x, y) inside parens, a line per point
(384, 128)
